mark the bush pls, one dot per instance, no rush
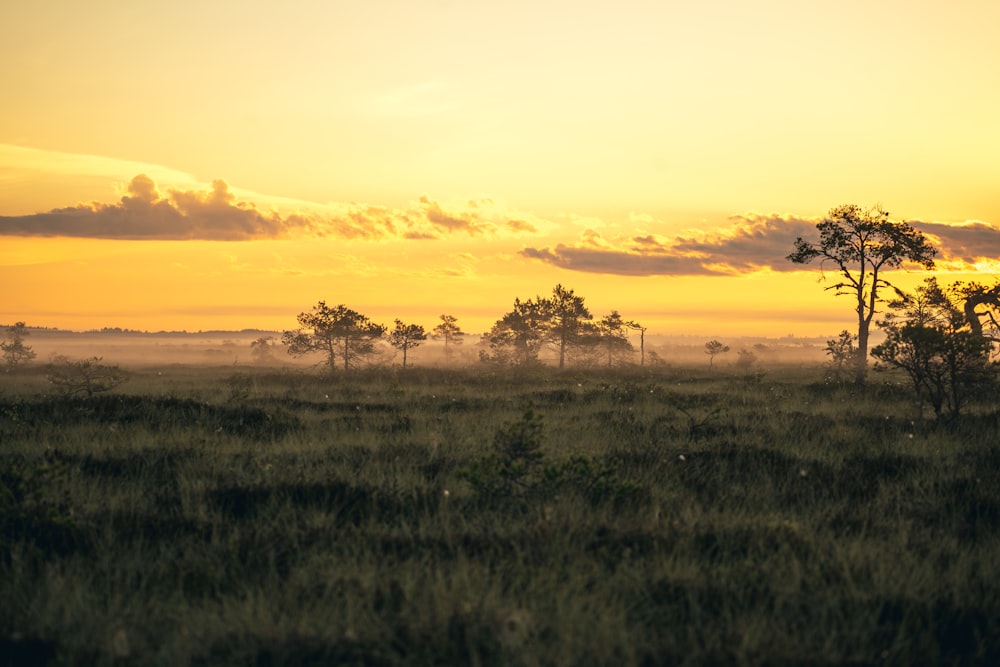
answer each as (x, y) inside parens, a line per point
(86, 377)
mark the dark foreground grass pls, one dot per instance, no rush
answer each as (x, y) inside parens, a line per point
(447, 517)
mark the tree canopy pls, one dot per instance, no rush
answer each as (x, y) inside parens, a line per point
(862, 245)
(448, 330)
(404, 337)
(612, 331)
(334, 332)
(929, 338)
(15, 352)
(567, 320)
(561, 321)
(517, 336)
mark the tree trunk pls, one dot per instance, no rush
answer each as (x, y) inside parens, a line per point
(331, 357)
(861, 368)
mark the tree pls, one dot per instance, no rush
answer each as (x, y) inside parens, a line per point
(567, 320)
(406, 336)
(929, 337)
(642, 340)
(450, 332)
(15, 352)
(974, 296)
(332, 332)
(745, 359)
(517, 337)
(862, 244)
(613, 335)
(262, 349)
(712, 348)
(843, 352)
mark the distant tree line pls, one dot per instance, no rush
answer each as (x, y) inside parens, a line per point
(946, 339)
(561, 323)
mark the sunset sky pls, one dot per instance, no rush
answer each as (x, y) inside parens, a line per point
(226, 165)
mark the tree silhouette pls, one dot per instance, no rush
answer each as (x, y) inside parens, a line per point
(15, 352)
(613, 335)
(450, 332)
(562, 321)
(974, 296)
(642, 340)
(712, 348)
(332, 332)
(405, 337)
(85, 377)
(862, 244)
(745, 359)
(262, 349)
(518, 335)
(568, 320)
(843, 353)
(929, 337)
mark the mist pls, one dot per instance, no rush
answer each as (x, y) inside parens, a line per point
(233, 348)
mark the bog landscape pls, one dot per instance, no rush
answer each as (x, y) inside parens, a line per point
(486, 333)
(524, 498)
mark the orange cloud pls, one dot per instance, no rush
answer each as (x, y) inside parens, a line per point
(216, 215)
(754, 242)
(967, 243)
(144, 213)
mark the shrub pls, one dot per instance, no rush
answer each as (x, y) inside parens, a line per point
(86, 377)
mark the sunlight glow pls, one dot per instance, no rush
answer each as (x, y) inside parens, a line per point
(421, 157)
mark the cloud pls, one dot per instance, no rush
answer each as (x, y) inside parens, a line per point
(521, 226)
(618, 262)
(967, 243)
(752, 243)
(215, 214)
(467, 221)
(143, 213)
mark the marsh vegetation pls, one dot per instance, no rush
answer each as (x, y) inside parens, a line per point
(486, 516)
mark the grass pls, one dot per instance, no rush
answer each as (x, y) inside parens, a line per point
(667, 516)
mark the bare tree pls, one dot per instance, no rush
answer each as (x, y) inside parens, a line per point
(713, 348)
(642, 340)
(450, 332)
(862, 244)
(405, 337)
(15, 352)
(332, 332)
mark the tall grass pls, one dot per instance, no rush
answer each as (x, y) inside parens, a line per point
(669, 516)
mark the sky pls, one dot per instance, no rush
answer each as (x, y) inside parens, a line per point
(227, 165)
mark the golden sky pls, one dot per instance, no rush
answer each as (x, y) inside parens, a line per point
(226, 165)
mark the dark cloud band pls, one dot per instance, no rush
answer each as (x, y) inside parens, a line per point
(752, 243)
(216, 215)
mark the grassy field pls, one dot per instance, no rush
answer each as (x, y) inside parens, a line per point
(641, 517)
